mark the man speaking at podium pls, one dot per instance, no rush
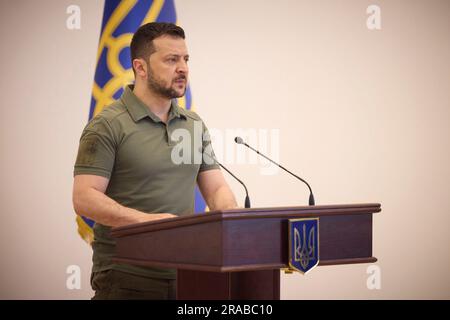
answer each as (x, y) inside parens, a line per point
(125, 173)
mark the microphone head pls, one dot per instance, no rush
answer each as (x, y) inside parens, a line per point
(238, 140)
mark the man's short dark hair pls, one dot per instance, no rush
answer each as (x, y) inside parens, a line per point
(142, 42)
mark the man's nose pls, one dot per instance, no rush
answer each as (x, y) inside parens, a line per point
(182, 67)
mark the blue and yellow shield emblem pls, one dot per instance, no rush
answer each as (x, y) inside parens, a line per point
(303, 244)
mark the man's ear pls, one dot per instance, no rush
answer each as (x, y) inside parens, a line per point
(140, 67)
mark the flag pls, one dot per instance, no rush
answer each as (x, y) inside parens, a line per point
(113, 70)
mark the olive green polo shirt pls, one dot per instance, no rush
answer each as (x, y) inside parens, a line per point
(146, 167)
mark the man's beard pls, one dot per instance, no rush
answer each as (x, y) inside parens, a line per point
(157, 86)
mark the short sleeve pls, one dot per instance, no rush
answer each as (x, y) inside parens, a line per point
(96, 152)
(208, 158)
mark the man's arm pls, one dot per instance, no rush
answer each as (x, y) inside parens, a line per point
(89, 200)
(215, 190)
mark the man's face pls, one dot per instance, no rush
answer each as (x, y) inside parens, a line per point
(168, 71)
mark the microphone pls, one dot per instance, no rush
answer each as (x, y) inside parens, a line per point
(247, 199)
(312, 202)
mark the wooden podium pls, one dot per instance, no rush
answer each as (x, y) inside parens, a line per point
(238, 254)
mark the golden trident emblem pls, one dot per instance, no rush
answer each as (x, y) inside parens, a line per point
(303, 245)
(304, 251)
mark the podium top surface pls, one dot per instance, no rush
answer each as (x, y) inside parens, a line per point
(248, 213)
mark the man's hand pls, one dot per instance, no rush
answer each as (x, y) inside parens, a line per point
(155, 216)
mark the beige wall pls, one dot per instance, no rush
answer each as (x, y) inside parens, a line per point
(363, 115)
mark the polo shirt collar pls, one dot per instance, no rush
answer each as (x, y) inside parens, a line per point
(138, 110)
